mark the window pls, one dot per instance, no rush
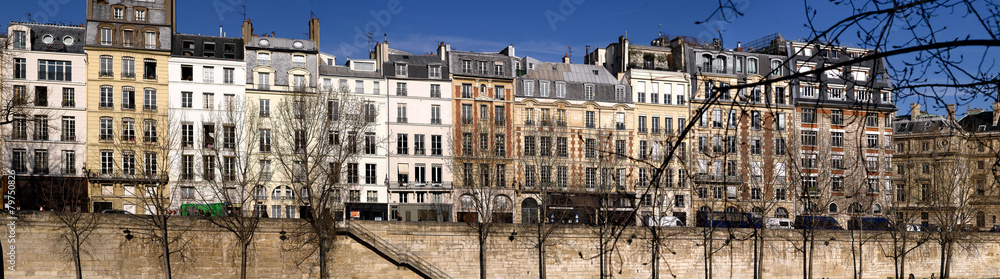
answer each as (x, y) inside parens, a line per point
(370, 174)
(435, 114)
(140, 15)
(809, 138)
(265, 108)
(808, 115)
(808, 91)
(20, 68)
(466, 90)
(436, 149)
(588, 92)
(752, 65)
(119, 13)
(779, 146)
(208, 99)
(755, 120)
(467, 66)
(837, 139)
(128, 130)
(499, 93)
(620, 121)
(435, 91)
(776, 68)
(619, 93)
(107, 129)
(41, 165)
(871, 140)
(55, 70)
(20, 40)
(128, 97)
(401, 113)
(466, 114)
(128, 37)
(498, 69)
(107, 68)
(837, 117)
(543, 88)
(402, 145)
(871, 119)
(149, 99)
(68, 128)
(756, 148)
(529, 146)
(400, 89)
(863, 95)
(107, 162)
(591, 148)
(106, 35)
(149, 130)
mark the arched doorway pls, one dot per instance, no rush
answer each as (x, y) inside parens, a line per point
(529, 211)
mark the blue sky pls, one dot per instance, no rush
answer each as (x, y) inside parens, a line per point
(541, 29)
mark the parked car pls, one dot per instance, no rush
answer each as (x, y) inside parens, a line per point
(816, 222)
(995, 228)
(916, 228)
(869, 224)
(115, 211)
(778, 223)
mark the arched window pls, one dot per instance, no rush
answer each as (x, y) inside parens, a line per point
(706, 63)
(877, 209)
(731, 209)
(757, 211)
(259, 192)
(502, 203)
(705, 209)
(282, 193)
(810, 207)
(752, 65)
(466, 201)
(781, 212)
(833, 208)
(482, 89)
(980, 219)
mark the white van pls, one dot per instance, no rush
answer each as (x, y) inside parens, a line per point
(666, 221)
(778, 223)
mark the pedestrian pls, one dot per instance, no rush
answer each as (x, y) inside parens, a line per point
(911, 276)
(932, 275)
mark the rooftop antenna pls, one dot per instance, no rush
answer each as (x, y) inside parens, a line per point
(244, 13)
(371, 39)
(29, 17)
(312, 14)
(661, 29)
(569, 51)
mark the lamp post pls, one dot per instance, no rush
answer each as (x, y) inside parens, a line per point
(128, 234)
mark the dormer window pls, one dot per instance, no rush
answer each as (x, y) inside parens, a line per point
(434, 71)
(106, 35)
(119, 13)
(128, 37)
(20, 40)
(298, 61)
(140, 15)
(401, 70)
(151, 39)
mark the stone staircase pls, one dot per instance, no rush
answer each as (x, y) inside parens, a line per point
(399, 256)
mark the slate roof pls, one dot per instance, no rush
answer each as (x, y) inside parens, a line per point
(58, 32)
(416, 65)
(576, 73)
(283, 44)
(972, 121)
(344, 71)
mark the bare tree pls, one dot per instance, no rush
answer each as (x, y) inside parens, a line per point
(481, 166)
(317, 135)
(66, 198)
(237, 158)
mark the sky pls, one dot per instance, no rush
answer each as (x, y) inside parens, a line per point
(545, 30)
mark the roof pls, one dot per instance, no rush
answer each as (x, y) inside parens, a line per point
(282, 44)
(577, 73)
(58, 32)
(344, 71)
(973, 121)
(416, 65)
(931, 124)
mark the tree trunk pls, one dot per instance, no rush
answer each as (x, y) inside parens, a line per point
(323, 243)
(654, 258)
(541, 259)
(166, 247)
(243, 260)
(76, 259)
(482, 256)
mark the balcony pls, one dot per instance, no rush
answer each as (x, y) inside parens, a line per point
(401, 120)
(106, 74)
(69, 104)
(281, 88)
(128, 75)
(435, 120)
(620, 126)
(529, 123)
(419, 186)
(561, 123)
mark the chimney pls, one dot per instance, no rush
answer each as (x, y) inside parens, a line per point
(314, 31)
(914, 111)
(951, 111)
(996, 113)
(247, 31)
(739, 46)
(443, 51)
(566, 59)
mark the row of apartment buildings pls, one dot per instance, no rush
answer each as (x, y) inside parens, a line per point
(647, 123)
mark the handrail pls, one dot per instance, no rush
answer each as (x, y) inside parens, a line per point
(400, 256)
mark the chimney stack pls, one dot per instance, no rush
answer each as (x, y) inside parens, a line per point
(566, 59)
(247, 31)
(739, 46)
(914, 111)
(443, 51)
(996, 113)
(951, 111)
(314, 31)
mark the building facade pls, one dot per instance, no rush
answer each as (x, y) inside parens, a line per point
(207, 81)
(128, 45)
(45, 143)
(419, 109)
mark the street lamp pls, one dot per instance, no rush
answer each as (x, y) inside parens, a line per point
(512, 235)
(128, 234)
(283, 237)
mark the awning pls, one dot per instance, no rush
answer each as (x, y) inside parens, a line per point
(403, 168)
